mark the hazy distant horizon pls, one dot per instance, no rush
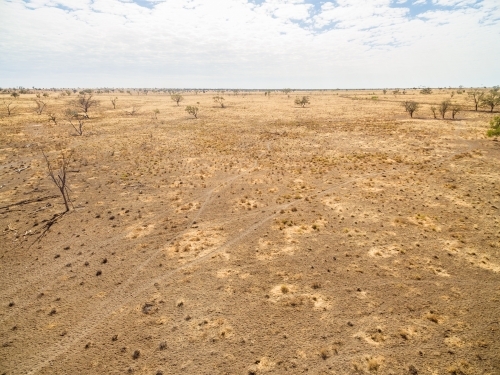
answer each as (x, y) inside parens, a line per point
(250, 44)
(242, 89)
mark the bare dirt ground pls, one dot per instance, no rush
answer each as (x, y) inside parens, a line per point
(340, 238)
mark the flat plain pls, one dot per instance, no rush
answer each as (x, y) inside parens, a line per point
(260, 238)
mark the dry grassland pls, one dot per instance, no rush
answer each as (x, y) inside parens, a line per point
(340, 238)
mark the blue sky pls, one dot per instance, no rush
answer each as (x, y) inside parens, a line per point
(249, 43)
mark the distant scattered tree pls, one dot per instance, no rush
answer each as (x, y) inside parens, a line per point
(287, 92)
(494, 127)
(40, 106)
(192, 110)
(59, 178)
(492, 99)
(384, 91)
(396, 92)
(267, 93)
(45, 95)
(113, 101)
(85, 102)
(9, 107)
(426, 91)
(476, 96)
(177, 98)
(15, 95)
(455, 109)
(434, 111)
(411, 107)
(219, 100)
(444, 107)
(236, 92)
(302, 102)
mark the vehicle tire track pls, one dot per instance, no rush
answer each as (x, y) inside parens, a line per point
(85, 328)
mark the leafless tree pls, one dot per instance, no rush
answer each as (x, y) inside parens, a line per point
(40, 106)
(84, 102)
(76, 120)
(59, 177)
(444, 107)
(177, 98)
(411, 107)
(113, 101)
(9, 107)
(476, 96)
(219, 100)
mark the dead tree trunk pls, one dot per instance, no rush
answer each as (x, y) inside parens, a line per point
(59, 177)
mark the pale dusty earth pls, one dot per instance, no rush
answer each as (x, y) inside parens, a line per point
(261, 238)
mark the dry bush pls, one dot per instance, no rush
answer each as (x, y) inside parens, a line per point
(192, 110)
(302, 102)
(177, 98)
(411, 107)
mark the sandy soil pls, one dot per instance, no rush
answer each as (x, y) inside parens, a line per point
(340, 238)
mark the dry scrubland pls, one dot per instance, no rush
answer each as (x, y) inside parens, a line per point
(340, 238)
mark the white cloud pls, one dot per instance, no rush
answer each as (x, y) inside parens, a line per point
(236, 43)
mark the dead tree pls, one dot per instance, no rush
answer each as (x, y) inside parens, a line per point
(40, 106)
(59, 177)
(84, 102)
(9, 107)
(76, 120)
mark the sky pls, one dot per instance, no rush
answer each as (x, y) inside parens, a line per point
(250, 44)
